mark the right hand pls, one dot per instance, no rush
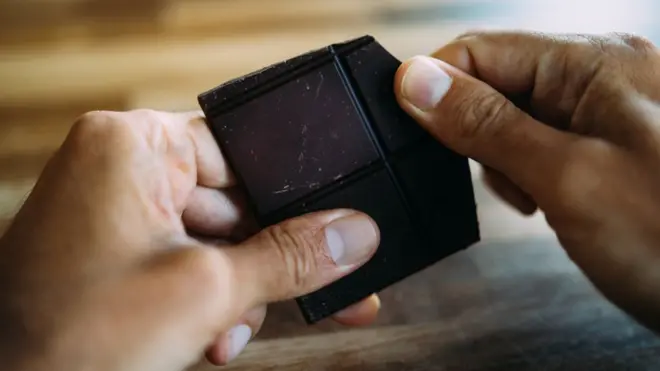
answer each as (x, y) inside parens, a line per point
(569, 124)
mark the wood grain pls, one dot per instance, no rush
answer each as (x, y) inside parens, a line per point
(507, 306)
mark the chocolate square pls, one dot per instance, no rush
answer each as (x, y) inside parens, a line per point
(285, 150)
(324, 131)
(373, 69)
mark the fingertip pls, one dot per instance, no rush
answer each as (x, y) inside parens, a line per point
(229, 345)
(216, 354)
(218, 213)
(351, 239)
(211, 212)
(422, 83)
(363, 313)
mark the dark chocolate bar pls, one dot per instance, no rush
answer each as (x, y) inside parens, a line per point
(323, 131)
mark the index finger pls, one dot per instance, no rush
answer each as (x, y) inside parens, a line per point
(213, 171)
(512, 61)
(507, 61)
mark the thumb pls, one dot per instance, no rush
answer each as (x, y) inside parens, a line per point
(476, 121)
(301, 255)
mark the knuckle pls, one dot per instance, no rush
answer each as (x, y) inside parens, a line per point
(472, 34)
(599, 42)
(109, 122)
(96, 127)
(91, 122)
(102, 130)
(297, 250)
(144, 115)
(615, 44)
(481, 114)
(636, 42)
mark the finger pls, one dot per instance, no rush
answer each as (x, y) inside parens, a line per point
(552, 70)
(508, 61)
(514, 61)
(509, 192)
(218, 213)
(301, 255)
(212, 169)
(363, 313)
(231, 344)
(183, 298)
(473, 119)
(184, 129)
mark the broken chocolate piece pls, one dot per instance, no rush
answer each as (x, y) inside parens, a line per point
(324, 131)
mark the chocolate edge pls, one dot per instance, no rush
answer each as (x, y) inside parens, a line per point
(212, 106)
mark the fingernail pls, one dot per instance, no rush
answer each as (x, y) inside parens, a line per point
(238, 338)
(425, 83)
(351, 240)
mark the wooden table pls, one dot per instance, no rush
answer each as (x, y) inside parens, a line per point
(517, 305)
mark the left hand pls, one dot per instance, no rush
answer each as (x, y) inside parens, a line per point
(104, 267)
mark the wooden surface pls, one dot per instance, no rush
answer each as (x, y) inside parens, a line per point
(500, 306)
(514, 302)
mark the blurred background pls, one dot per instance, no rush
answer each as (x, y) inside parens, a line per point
(60, 58)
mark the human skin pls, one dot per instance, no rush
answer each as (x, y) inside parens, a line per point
(132, 252)
(568, 124)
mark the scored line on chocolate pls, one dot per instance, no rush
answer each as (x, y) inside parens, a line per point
(367, 123)
(341, 183)
(329, 54)
(321, 192)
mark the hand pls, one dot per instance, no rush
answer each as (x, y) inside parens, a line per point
(569, 124)
(99, 270)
